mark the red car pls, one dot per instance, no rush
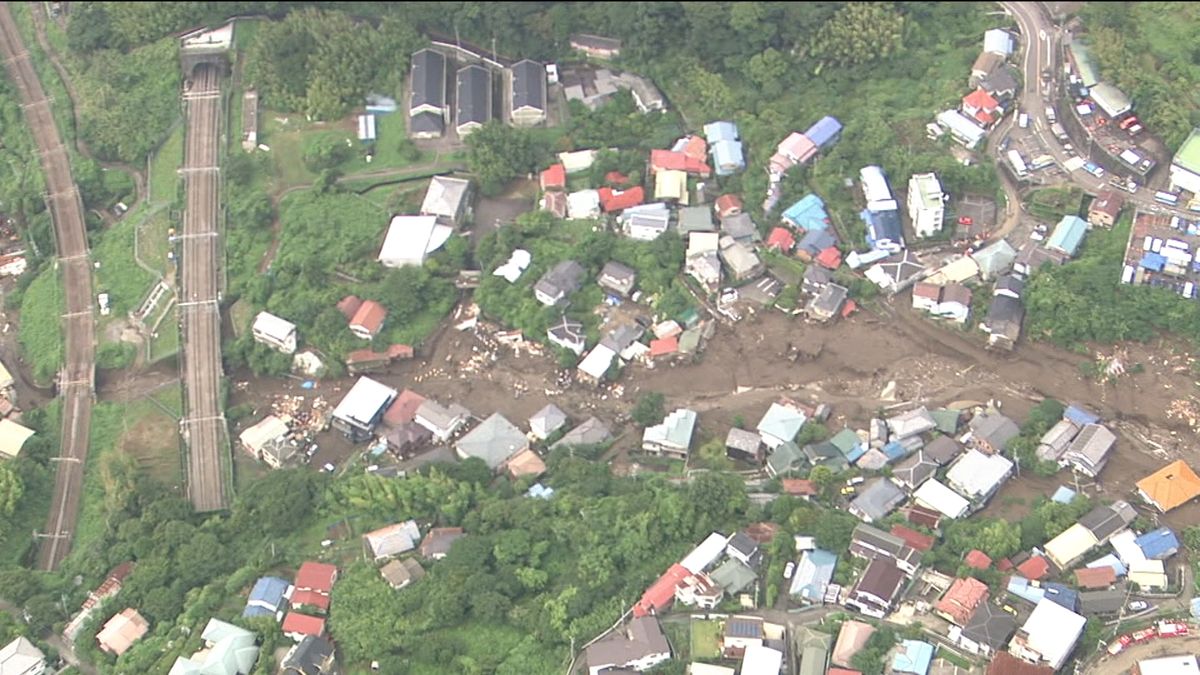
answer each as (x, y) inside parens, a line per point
(966, 220)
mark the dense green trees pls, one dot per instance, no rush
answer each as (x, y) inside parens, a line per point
(859, 32)
(497, 154)
(127, 102)
(649, 409)
(323, 62)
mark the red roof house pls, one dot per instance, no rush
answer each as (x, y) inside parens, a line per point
(1095, 577)
(728, 205)
(368, 319)
(617, 200)
(980, 105)
(849, 308)
(1034, 569)
(297, 626)
(665, 160)
(664, 346)
(403, 409)
(977, 559)
(799, 487)
(554, 178)
(1004, 565)
(696, 148)
(830, 258)
(924, 517)
(616, 178)
(914, 539)
(349, 305)
(310, 599)
(961, 601)
(316, 576)
(781, 239)
(661, 593)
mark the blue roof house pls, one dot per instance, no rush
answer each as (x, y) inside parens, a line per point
(1061, 595)
(1019, 586)
(1112, 561)
(809, 214)
(269, 595)
(913, 656)
(825, 132)
(728, 158)
(813, 575)
(883, 230)
(1158, 544)
(715, 132)
(1067, 235)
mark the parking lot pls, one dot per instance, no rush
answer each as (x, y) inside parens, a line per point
(1162, 253)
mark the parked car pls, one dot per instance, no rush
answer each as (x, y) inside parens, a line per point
(789, 569)
(1138, 605)
(328, 468)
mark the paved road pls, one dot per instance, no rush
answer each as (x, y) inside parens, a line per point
(203, 427)
(1041, 40)
(76, 380)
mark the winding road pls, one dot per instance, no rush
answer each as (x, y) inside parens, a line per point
(76, 381)
(203, 427)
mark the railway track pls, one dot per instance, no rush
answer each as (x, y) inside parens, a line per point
(203, 427)
(76, 384)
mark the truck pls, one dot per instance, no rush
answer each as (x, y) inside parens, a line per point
(1018, 164)
(1050, 116)
(1168, 629)
(1057, 129)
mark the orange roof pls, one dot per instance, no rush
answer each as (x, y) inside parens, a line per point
(399, 351)
(696, 148)
(782, 239)
(1095, 577)
(914, 539)
(830, 258)
(980, 99)
(121, 631)
(617, 200)
(404, 408)
(349, 305)
(311, 599)
(1035, 568)
(554, 177)
(849, 308)
(799, 487)
(927, 291)
(728, 205)
(977, 559)
(1171, 486)
(616, 178)
(526, 463)
(1004, 663)
(316, 576)
(303, 624)
(370, 316)
(662, 592)
(963, 597)
(664, 346)
(668, 160)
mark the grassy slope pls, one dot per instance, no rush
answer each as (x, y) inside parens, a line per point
(40, 329)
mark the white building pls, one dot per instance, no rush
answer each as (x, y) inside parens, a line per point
(1169, 665)
(362, 407)
(276, 333)
(1185, 168)
(926, 205)
(411, 238)
(932, 494)
(21, 657)
(875, 189)
(760, 660)
(977, 476)
(1049, 636)
(268, 441)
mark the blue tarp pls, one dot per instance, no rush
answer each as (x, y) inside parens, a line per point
(824, 132)
(1063, 495)
(809, 213)
(855, 454)
(539, 491)
(308, 384)
(894, 451)
(1080, 416)
(1158, 544)
(1152, 261)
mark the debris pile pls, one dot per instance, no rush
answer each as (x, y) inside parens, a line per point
(308, 415)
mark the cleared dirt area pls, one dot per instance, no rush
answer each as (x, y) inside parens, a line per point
(848, 365)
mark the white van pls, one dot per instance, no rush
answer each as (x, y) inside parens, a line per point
(1023, 121)
(1050, 116)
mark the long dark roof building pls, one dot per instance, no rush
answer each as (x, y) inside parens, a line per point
(474, 96)
(428, 81)
(528, 85)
